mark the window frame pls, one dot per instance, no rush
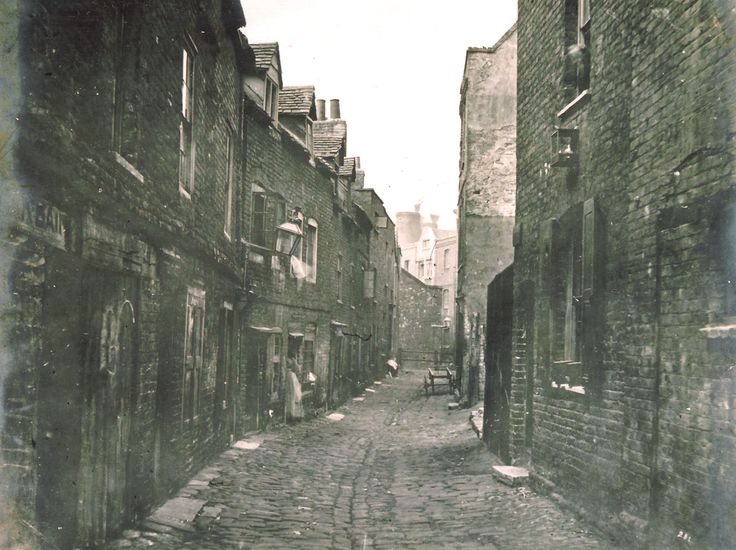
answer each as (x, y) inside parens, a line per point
(576, 63)
(187, 145)
(271, 98)
(369, 283)
(339, 278)
(309, 249)
(193, 363)
(229, 182)
(572, 270)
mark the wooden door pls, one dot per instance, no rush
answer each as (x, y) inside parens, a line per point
(110, 365)
(496, 419)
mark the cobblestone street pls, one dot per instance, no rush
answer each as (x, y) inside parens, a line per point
(398, 471)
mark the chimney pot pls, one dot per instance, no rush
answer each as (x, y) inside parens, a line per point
(320, 109)
(334, 109)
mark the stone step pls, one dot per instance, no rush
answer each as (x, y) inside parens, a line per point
(513, 476)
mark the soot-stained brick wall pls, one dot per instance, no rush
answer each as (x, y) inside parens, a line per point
(643, 442)
(104, 246)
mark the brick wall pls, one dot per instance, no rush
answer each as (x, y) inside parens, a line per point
(421, 307)
(91, 234)
(647, 442)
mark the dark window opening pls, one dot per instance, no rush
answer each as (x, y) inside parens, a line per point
(576, 69)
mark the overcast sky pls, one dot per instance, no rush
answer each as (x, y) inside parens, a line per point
(396, 66)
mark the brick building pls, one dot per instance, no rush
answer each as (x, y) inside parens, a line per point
(429, 254)
(622, 389)
(156, 289)
(382, 285)
(486, 198)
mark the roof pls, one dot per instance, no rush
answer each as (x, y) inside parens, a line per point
(445, 233)
(264, 54)
(296, 100)
(329, 137)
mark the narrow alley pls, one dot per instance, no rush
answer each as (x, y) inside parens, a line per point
(397, 471)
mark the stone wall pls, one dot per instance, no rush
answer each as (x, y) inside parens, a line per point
(486, 195)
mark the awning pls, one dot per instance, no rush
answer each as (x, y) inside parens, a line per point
(296, 334)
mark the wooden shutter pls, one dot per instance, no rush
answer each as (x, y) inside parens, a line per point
(593, 268)
(548, 236)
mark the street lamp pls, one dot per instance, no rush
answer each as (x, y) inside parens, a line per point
(289, 234)
(564, 147)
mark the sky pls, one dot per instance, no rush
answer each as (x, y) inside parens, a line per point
(396, 66)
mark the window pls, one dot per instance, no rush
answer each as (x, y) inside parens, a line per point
(186, 138)
(369, 284)
(193, 353)
(425, 244)
(406, 265)
(446, 258)
(268, 211)
(271, 99)
(307, 357)
(573, 263)
(576, 71)
(124, 122)
(273, 376)
(309, 250)
(258, 223)
(229, 182)
(338, 282)
(445, 302)
(420, 270)
(309, 136)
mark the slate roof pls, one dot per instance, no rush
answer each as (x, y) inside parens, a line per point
(296, 100)
(264, 54)
(329, 137)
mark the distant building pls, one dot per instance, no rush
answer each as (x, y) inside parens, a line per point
(429, 254)
(487, 197)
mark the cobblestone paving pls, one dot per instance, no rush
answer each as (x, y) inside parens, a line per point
(399, 471)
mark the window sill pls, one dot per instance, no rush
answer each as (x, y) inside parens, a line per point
(579, 390)
(128, 167)
(725, 330)
(576, 104)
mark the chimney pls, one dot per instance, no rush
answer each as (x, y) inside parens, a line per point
(359, 179)
(434, 217)
(334, 109)
(417, 207)
(320, 109)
